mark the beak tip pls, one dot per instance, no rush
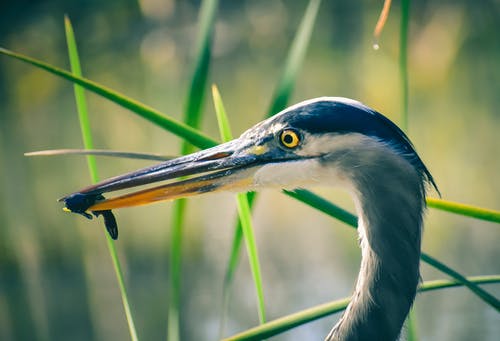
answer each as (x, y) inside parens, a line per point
(80, 202)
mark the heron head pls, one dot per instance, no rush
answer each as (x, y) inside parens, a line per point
(301, 146)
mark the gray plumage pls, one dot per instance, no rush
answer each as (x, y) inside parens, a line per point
(389, 198)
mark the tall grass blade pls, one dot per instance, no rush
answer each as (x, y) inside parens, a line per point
(192, 117)
(294, 58)
(244, 211)
(222, 120)
(482, 294)
(174, 280)
(87, 140)
(81, 103)
(411, 326)
(465, 210)
(288, 322)
(246, 227)
(234, 258)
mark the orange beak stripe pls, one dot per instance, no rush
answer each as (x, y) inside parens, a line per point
(168, 192)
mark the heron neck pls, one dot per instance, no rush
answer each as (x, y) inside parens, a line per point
(390, 219)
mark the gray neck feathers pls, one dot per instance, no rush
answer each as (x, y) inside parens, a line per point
(389, 196)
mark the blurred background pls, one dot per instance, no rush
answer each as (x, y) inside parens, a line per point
(56, 277)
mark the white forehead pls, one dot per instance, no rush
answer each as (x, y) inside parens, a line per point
(343, 100)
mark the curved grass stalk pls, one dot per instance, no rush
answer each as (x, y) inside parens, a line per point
(87, 141)
(288, 322)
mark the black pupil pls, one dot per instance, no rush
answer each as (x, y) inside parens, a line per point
(288, 138)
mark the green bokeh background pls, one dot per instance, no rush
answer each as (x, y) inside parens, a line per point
(56, 278)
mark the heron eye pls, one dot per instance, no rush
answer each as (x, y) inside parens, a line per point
(289, 138)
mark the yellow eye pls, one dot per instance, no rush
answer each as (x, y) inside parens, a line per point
(289, 138)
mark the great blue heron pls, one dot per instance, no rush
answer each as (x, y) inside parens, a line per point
(324, 141)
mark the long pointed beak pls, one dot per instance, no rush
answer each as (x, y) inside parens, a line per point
(229, 166)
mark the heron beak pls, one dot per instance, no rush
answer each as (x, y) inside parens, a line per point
(227, 167)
